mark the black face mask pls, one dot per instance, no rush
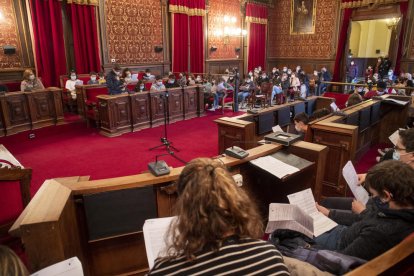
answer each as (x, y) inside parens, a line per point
(381, 205)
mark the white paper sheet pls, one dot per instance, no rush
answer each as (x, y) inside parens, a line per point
(334, 107)
(274, 166)
(277, 128)
(154, 237)
(394, 137)
(305, 201)
(351, 179)
(69, 267)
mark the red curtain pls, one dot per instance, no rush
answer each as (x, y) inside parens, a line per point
(180, 42)
(48, 40)
(343, 36)
(403, 9)
(196, 44)
(85, 38)
(257, 16)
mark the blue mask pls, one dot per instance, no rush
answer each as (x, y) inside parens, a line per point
(379, 203)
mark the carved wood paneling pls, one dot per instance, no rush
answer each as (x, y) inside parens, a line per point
(190, 102)
(141, 111)
(157, 108)
(216, 12)
(15, 112)
(133, 29)
(176, 104)
(42, 109)
(322, 44)
(115, 115)
(9, 35)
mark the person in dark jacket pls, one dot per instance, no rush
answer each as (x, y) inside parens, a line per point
(171, 83)
(391, 184)
(113, 81)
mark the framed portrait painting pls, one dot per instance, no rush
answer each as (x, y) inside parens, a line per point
(303, 16)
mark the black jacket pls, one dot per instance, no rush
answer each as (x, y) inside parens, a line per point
(373, 235)
(113, 84)
(347, 217)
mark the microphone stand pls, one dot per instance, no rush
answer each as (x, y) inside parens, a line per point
(164, 140)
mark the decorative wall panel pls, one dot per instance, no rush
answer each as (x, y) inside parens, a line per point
(133, 29)
(9, 35)
(216, 12)
(322, 44)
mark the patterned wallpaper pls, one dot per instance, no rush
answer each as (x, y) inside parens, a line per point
(216, 12)
(133, 29)
(9, 35)
(318, 45)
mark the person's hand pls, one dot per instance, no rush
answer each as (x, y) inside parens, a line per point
(361, 179)
(357, 206)
(322, 209)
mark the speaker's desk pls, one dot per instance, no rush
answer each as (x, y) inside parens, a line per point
(56, 224)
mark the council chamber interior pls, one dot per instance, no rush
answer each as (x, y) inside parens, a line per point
(104, 102)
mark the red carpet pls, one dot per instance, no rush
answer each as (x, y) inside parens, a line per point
(73, 149)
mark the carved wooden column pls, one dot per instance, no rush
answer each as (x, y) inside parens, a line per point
(157, 107)
(57, 98)
(200, 101)
(175, 104)
(190, 102)
(141, 111)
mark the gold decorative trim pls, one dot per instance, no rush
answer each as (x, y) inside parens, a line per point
(186, 10)
(84, 2)
(256, 20)
(365, 3)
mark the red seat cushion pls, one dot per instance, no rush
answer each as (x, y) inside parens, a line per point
(93, 92)
(141, 75)
(148, 85)
(12, 86)
(340, 99)
(131, 86)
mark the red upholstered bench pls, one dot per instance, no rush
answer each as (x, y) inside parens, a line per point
(12, 85)
(340, 99)
(91, 102)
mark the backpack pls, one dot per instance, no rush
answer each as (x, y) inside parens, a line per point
(296, 245)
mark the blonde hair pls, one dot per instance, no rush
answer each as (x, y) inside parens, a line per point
(210, 207)
(10, 264)
(27, 73)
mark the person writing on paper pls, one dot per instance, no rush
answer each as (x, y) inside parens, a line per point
(391, 184)
(301, 121)
(218, 228)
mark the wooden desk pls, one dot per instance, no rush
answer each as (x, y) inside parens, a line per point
(54, 226)
(22, 111)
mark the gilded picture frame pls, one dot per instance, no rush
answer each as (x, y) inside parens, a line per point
(303, 17)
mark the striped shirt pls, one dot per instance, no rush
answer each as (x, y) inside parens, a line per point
(237, 256)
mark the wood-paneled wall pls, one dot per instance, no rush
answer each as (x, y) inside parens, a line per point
(14, 32)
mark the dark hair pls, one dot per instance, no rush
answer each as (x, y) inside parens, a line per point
(158, 77)
(117, 67)
(354, 99)
(147, 70)
(395, 177)
(72, 72)
(381, 84)
(409, 83)
(172, 76)
(302, 117)
(319, 114)
(92, 73)
(407, 139)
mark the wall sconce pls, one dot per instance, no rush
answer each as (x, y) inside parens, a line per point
(392, 23)
(213, 48)
(158, 49)
(228, 29)
(237, 49)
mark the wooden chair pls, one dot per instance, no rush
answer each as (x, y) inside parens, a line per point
(266, 89)
(227, 100)
(91, 103)
(256, 97)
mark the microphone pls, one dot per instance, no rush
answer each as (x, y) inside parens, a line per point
(159, 168)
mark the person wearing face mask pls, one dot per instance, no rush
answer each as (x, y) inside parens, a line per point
(127, 75)
(390, 77)
(113, 81)
(245, 91)
(325, 76)
(314, 82)
(148, 75)
(171, 83)
(182, 81)
(263, 78)
(369, 73)
(199, 80)
(191, 80)
(93, 79)
(391, 184)
(381, 90)
(275, 74)
(140, 87)
(277, 92)
(71, 84)
(301, 121)
(352, 73)
(30, 82)
(157, 85)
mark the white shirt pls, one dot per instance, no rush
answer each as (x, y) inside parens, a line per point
(70, 85)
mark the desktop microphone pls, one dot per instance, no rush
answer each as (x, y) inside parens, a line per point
(158, 168)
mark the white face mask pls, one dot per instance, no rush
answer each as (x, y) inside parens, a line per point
(352, 63)
(390, 73)
(289, 72)
(117, 73)
(159, 83)
(170, 81)
(284, 69)
(315, 73)
(93, 78)
(274, 70)
(198, 79)
(189, 79)
(73, 77)
(250, 74)
(141, 87)
(359, 89)
(148, 74)
(128, 75)
(31, 77)
(247, 81)
(298, 128)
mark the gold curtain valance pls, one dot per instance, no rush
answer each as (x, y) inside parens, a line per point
(365, 3)
(256, 20)
(84, 2)
(187, 10)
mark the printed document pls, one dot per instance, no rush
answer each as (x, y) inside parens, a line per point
(277, 128)
(69, 267)
(305, 201)
(351, 179)
(274, 166)
(155, 237)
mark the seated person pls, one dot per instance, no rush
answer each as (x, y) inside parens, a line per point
(157, 85)
(277, 92)
(231, 81)
(127, 75)
(171, 83)
(391, 184)
(209, 88)
(218, 228)
(301, 121)
(222, 88)
(191, 80)
(92, 79)
(244, 91)
(140, 87)
(319, 113)
(30, 82)
(71, 84)
(113, 81)
(101, 79)
(10, 263)
(148, 75)
(353, 99)
(199, 80)
(182, 81)
(381, 89)
(263, 78)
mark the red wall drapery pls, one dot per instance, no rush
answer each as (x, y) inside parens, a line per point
(256, 15)
(85, 38)
(343, 36)
(404, 10)
(188, 35)
(48, 40)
